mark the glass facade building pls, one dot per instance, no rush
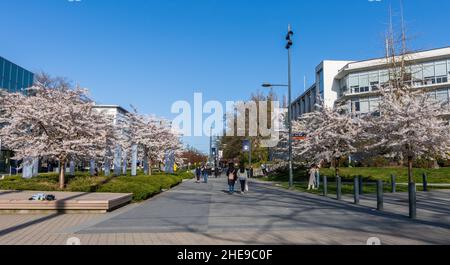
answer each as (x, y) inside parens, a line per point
(14, 78)
(357, 84)
(362, 86)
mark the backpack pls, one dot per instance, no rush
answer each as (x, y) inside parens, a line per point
(231, 175)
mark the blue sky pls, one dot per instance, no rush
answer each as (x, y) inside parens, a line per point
(151, 53)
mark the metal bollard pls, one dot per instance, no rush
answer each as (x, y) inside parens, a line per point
(338, 188)
(393, 183)
(425, 182)
(325, 186)
(379, 195)
(356, 190)
(361, 188)
(318, 179)
(412, 200)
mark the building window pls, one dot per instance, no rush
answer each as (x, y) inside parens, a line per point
(417, 75)
(374, 81)
(356, 107)
(441, 72)
(344, 85)
(374, 104)
(429, 74)
(364, 106)
(384, 78)
(448, 66)
(321, 83)
(442, 96)
(354, 83)
(364, 83)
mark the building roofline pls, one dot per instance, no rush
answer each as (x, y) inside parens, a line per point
(111, 106)
(304, 92)
(379, 61)
(1, 57)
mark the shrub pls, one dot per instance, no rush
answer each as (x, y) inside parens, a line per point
(142, 187)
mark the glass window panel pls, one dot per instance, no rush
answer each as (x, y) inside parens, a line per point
(364, 80)
(431, 96)
(7, 75)
(442, 95)
(31, 81)
(14, 73)
(441, 68)
(353, 80)
(2, 62)
(356, 106)
(374, 105)
(428, 70)
(364, 106)
(20, 78)
(417, 72)
(384, 76)
(373, 77)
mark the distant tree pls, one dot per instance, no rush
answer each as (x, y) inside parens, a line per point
(193, 156)
(232, 146)
(153, 137)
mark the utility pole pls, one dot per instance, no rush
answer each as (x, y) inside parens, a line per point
(210, 144)
(288, 47)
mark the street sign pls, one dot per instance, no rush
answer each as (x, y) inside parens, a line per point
(299, 136)
(246, 146)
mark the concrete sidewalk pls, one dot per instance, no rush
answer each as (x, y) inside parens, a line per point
(196, 214)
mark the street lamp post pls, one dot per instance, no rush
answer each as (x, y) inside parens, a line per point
(289, 86)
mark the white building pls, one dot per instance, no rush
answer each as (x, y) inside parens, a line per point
(114, 111)
(358, 83)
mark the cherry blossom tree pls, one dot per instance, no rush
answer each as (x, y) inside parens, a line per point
(53, 123)
(153, 137)
(411, 125)
(327, 135)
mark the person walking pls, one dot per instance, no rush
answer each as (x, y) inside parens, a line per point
(216, 172)
(243, 178)
(208, 173)
(264, 169)
(231, 177)
(312, 178)
(198, 173)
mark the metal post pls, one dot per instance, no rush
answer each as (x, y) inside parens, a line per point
(250, 153)
(210, 144)
(356, 190)
(412, 200)
(288, 47)
(325, 186)
(338, 188)
(425, 182)
(379, 195)
(318, 179)
(393, 183)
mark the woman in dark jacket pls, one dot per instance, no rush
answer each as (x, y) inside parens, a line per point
(232, 177)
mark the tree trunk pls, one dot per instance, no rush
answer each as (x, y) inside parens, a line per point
(62, 172)
(410, 170)
(336, 166)
(150, 171)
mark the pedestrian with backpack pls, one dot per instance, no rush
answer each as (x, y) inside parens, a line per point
(231, 177)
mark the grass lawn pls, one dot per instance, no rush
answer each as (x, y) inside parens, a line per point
(370, 175)
(142, 186)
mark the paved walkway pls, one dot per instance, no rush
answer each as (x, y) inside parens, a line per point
(193, 214)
